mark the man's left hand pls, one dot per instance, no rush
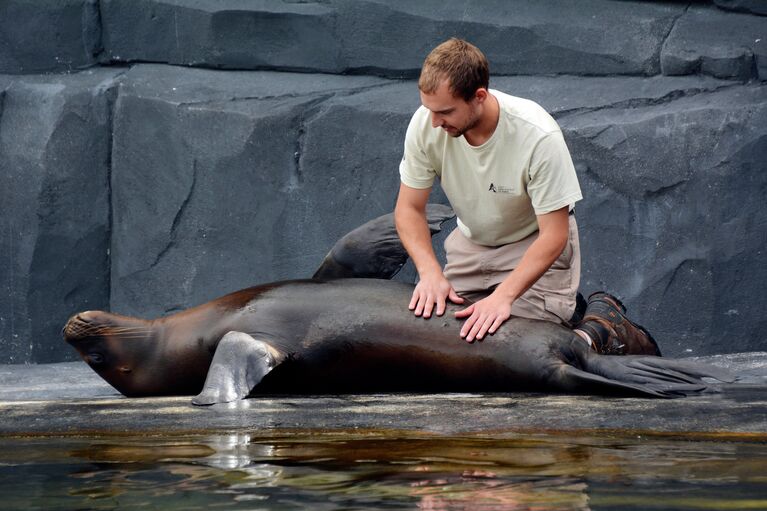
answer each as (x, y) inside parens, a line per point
(485, 316)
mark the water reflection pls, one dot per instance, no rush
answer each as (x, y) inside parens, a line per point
(382, 470)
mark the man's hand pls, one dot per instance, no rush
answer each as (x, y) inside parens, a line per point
(430, 290)
(485, 316)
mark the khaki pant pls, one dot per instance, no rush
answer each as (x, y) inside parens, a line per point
(475, 270)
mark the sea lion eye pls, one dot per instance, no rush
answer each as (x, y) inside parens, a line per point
(95, 358)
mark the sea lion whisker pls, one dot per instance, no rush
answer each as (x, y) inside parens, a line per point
(119, 328)
(115, 332)
(81, 331)
(144, 334)
(139, 338)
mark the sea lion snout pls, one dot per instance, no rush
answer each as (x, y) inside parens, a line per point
(100, 324)
(73, 328)
(80, 325)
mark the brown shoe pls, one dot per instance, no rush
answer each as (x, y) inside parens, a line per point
(613, 333)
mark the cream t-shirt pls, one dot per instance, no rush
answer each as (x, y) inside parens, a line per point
(496, 189)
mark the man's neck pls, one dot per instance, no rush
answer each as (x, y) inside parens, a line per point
(485, 128)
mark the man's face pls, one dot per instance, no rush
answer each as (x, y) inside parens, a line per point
(449, 112)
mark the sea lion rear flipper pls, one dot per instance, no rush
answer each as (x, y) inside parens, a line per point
(640, 374)
(374, 250)
(589, 382)
(239, 364)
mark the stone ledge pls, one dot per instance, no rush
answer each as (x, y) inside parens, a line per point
(750, 6)
(38, 36)
(34, 402)
(592, 37)
(712, 42)
(344, 36)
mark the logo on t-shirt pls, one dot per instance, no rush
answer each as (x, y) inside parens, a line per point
(499, 189)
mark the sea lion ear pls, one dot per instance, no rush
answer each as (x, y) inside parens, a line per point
(374, 250)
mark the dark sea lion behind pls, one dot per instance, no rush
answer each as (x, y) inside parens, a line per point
(373, 250)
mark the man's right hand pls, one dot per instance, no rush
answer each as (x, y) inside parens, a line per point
(413, 229)
(432, 290)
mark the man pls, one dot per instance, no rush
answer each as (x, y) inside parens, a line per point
(506, 170)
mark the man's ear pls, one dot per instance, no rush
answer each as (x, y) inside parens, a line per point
(481, 94)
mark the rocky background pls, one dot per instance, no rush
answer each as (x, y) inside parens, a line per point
(155, 154)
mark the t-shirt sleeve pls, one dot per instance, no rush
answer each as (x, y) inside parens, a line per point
(415, 169)
(553, 183)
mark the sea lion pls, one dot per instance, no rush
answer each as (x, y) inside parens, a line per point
(353, 335)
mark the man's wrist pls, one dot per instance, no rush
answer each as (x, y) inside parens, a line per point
(430, 271)
(506, 293)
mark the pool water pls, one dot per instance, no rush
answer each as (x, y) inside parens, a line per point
(371, 470)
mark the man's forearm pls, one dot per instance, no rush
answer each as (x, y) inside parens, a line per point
(537, 260)
(415, 235)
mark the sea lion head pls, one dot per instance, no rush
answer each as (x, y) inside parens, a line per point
(114, 346)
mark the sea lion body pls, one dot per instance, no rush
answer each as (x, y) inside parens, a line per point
(349, 335)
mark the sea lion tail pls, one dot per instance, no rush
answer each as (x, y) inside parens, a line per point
(374, 250)
(647, 375)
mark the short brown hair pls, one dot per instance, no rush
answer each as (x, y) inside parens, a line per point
(462, 63)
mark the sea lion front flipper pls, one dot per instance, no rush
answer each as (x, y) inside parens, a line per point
(239, 364)
(374, 250)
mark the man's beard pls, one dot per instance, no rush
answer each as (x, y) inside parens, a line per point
(460, 131)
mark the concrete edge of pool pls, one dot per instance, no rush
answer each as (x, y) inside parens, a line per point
(70, 399)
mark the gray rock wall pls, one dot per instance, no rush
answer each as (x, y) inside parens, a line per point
(169, 151)
(42, 36)
(55, 141)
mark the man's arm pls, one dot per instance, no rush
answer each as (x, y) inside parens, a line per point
(488, 314)
(410, 219)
